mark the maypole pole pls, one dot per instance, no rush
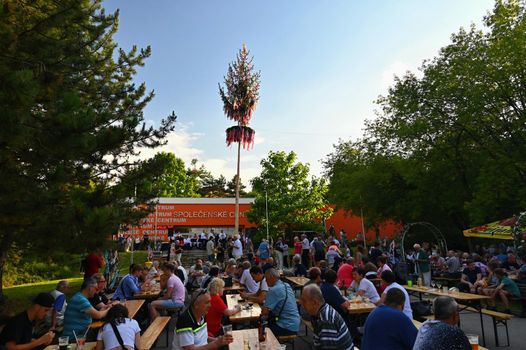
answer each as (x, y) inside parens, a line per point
(240, 97)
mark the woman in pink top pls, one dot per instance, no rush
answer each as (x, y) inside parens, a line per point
(174, 296)
(297, 246)
(382, 265)
(344, 274)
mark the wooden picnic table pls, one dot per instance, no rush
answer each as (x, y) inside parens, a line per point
(235, 287)
(251, 336)
(360, 307)
(73, 346)
(250, 314)
(299, 281)
(459, 296)
(133, 307)
(153, 293)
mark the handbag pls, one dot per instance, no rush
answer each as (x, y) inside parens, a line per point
(273, 318)
(119, 338)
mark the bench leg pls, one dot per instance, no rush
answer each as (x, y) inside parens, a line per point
(495, 331)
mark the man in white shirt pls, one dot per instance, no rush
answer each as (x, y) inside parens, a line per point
(389, 278)
(363, 286)
(305, 251)
(237, 248)
(246, 279)
(258, 297)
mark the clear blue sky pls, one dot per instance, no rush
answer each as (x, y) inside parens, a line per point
(323, 63)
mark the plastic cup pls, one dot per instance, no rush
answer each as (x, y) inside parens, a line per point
(227, 329)
(445, 289)
(410, 283)
(81, 340)
(473, 340)
(63, 342)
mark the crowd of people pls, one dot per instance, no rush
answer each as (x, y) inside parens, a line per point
(337, 273)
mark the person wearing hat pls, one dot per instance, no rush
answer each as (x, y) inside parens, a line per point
(18, 332)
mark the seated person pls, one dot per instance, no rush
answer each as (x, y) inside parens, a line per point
(55, 320)
(180, 272)
(382, 265)
(370, 270)
(281, 302)
(387, 327)
(314, 275)
(299, 268)
(99, 300)
(511, 266)
(196, 274)
(129, 285)
(388, 277)
(154, 270)
(442, 332)
(173, 298)
(128, 329)
(246, 280)
(259, 297)
(218, 308)
(79, 313)
(363, 287)
(191, 330)
(471, 278)
(332, 294)
(214, 272)
(269, 263)
(506, 288)
(18, 331)
(345, 273)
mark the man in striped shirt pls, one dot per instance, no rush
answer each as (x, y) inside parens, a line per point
(330, 330)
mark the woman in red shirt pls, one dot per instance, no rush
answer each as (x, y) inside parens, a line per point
(297, 246)
(218, 309)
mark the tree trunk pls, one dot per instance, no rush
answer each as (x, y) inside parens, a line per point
(236, 223)
(5, 245)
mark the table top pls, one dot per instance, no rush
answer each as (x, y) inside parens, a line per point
(234, 287)
(133, 307)
(244, 315)
(87, 346)
(454, 295)
(153, 293)
(360, 307)
(251, 336)
(299, 281)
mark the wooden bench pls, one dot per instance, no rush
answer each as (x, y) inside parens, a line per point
(522, 298)
(155, 329)
(287, 339)
(498, 318)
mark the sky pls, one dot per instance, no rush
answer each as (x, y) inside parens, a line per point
(322, 63)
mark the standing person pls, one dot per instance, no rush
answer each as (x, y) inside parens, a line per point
(117, 320)
(220, 252)
(191, 331)
(278, 249)
(218, 308)
(93, 263)
(305, 250)
(442, 332)
(264, 250)
(281, 303)
(285, 254)
(319, 249)
(173, 298)
(18, 332)
(375, 252)
(421, 259)
(249, 249)
(387, 327)
(210, 250)
(79, 313)
(297, 246)
(329, 328)
(237, 248)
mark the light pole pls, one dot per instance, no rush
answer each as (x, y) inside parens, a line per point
(266, 210)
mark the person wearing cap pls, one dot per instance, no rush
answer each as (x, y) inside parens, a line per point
(18, 332)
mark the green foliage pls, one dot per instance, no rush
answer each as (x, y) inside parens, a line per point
(294, 200)
(176, 180)
(72, 117)
(447, 147)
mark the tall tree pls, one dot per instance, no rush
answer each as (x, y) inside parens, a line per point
(294, 199)
(71, 119)
(231, 187)
(240, 97)
(176, 180)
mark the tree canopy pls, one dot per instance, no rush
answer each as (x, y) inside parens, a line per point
(72, 122)
(447, 147)
(295, 200)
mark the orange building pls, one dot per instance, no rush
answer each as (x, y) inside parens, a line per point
(195, 215)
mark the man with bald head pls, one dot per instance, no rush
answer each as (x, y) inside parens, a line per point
(330, 330)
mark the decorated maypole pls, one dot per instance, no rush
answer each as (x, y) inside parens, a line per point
(240, 96)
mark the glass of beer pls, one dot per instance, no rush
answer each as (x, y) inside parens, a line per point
(63, 343)
(474, 341)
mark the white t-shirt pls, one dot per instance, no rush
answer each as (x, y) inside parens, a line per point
(407, 305)
(264, 285)
(305, 244)
(369, 289)
(237, 249)
(127, 330)
(185, 274)
(249, 283)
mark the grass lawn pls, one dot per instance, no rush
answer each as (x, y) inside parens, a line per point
(18, 297)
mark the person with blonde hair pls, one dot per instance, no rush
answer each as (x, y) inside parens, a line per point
(218, 308)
